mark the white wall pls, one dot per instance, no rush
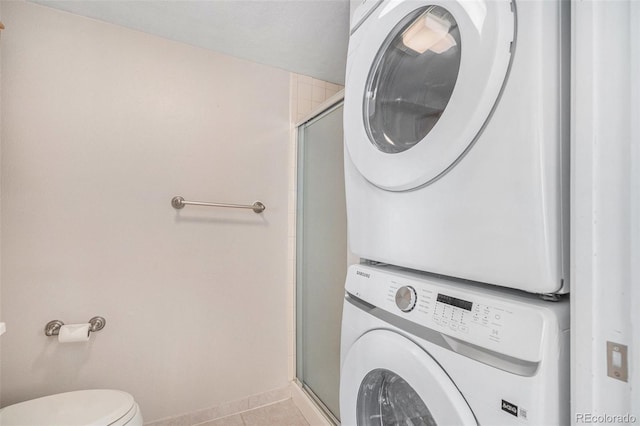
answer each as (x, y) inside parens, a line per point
(101, 127)
(605, 204)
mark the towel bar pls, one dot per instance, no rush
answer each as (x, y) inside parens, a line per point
(178, 202)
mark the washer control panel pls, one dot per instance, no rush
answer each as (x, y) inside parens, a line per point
(507, 324)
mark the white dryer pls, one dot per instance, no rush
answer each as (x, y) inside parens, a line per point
(456, 135)
(420, 350)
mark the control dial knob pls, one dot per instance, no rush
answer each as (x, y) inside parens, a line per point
(406, 298)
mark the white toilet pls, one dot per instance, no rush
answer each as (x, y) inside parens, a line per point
(99, 407)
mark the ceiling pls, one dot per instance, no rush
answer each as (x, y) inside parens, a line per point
(304, 36)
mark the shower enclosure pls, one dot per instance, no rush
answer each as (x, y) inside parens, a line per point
(321, 259)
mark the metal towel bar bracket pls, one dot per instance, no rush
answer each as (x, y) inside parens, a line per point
(178, 202)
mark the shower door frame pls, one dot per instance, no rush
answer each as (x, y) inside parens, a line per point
(323, 109)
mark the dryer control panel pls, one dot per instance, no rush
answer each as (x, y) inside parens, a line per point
(505, 323)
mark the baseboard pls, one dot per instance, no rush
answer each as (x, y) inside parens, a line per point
(307, 407)
(227, 409)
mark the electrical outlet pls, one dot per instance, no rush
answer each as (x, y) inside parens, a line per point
(617, 367)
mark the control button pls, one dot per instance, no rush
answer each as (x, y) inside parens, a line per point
(445, 321)
(453, 326)
(464, 328)
(495, 332)
(497, 316)
(406, 298)
(436, 320)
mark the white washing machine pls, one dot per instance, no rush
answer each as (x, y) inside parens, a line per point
(421, 350)
(456, 133)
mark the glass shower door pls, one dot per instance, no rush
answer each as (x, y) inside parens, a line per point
(321, 256)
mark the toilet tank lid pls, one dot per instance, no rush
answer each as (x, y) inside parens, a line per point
(97, 407)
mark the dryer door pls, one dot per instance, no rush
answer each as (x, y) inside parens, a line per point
(422, 79)
(386, 379)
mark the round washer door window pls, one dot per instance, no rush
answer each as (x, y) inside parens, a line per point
(422, 79)
(412, 78)
(387, 399)
(386, 379)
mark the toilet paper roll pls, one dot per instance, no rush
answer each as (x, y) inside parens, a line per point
(73, 333)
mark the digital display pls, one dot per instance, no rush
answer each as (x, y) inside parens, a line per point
(458, 303)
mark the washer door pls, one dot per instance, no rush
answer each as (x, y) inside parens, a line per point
(387, 379)
(422, 79)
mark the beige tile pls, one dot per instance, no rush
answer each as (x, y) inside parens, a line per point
(230, 408)
(290, 328)
(304, 91)
(304, 79)
(184, 420)
(291, 198)
(293, 206)
(291, 248)
(330, 93)
(318, 83)
(292, 151)
(309, 410)
(294, 178)
(291, 222)
(292, 321)
(317, 94)
(291, 366)
(235, 420)
(207, 414)
(304, 106)
(279, 414)
(291, 345)
(334, 87)
(291, 274)
(222, 410)
(291, 283)
(292, 173)
(270, 397)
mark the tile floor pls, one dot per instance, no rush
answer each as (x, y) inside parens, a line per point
(283, 413)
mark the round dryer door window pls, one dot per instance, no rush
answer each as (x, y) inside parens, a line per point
(412, 79)
(386, 379)
(423, 77)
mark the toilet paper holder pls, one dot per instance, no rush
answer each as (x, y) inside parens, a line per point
(53, 327)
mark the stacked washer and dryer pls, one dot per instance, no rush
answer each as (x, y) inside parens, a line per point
(456, 166)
